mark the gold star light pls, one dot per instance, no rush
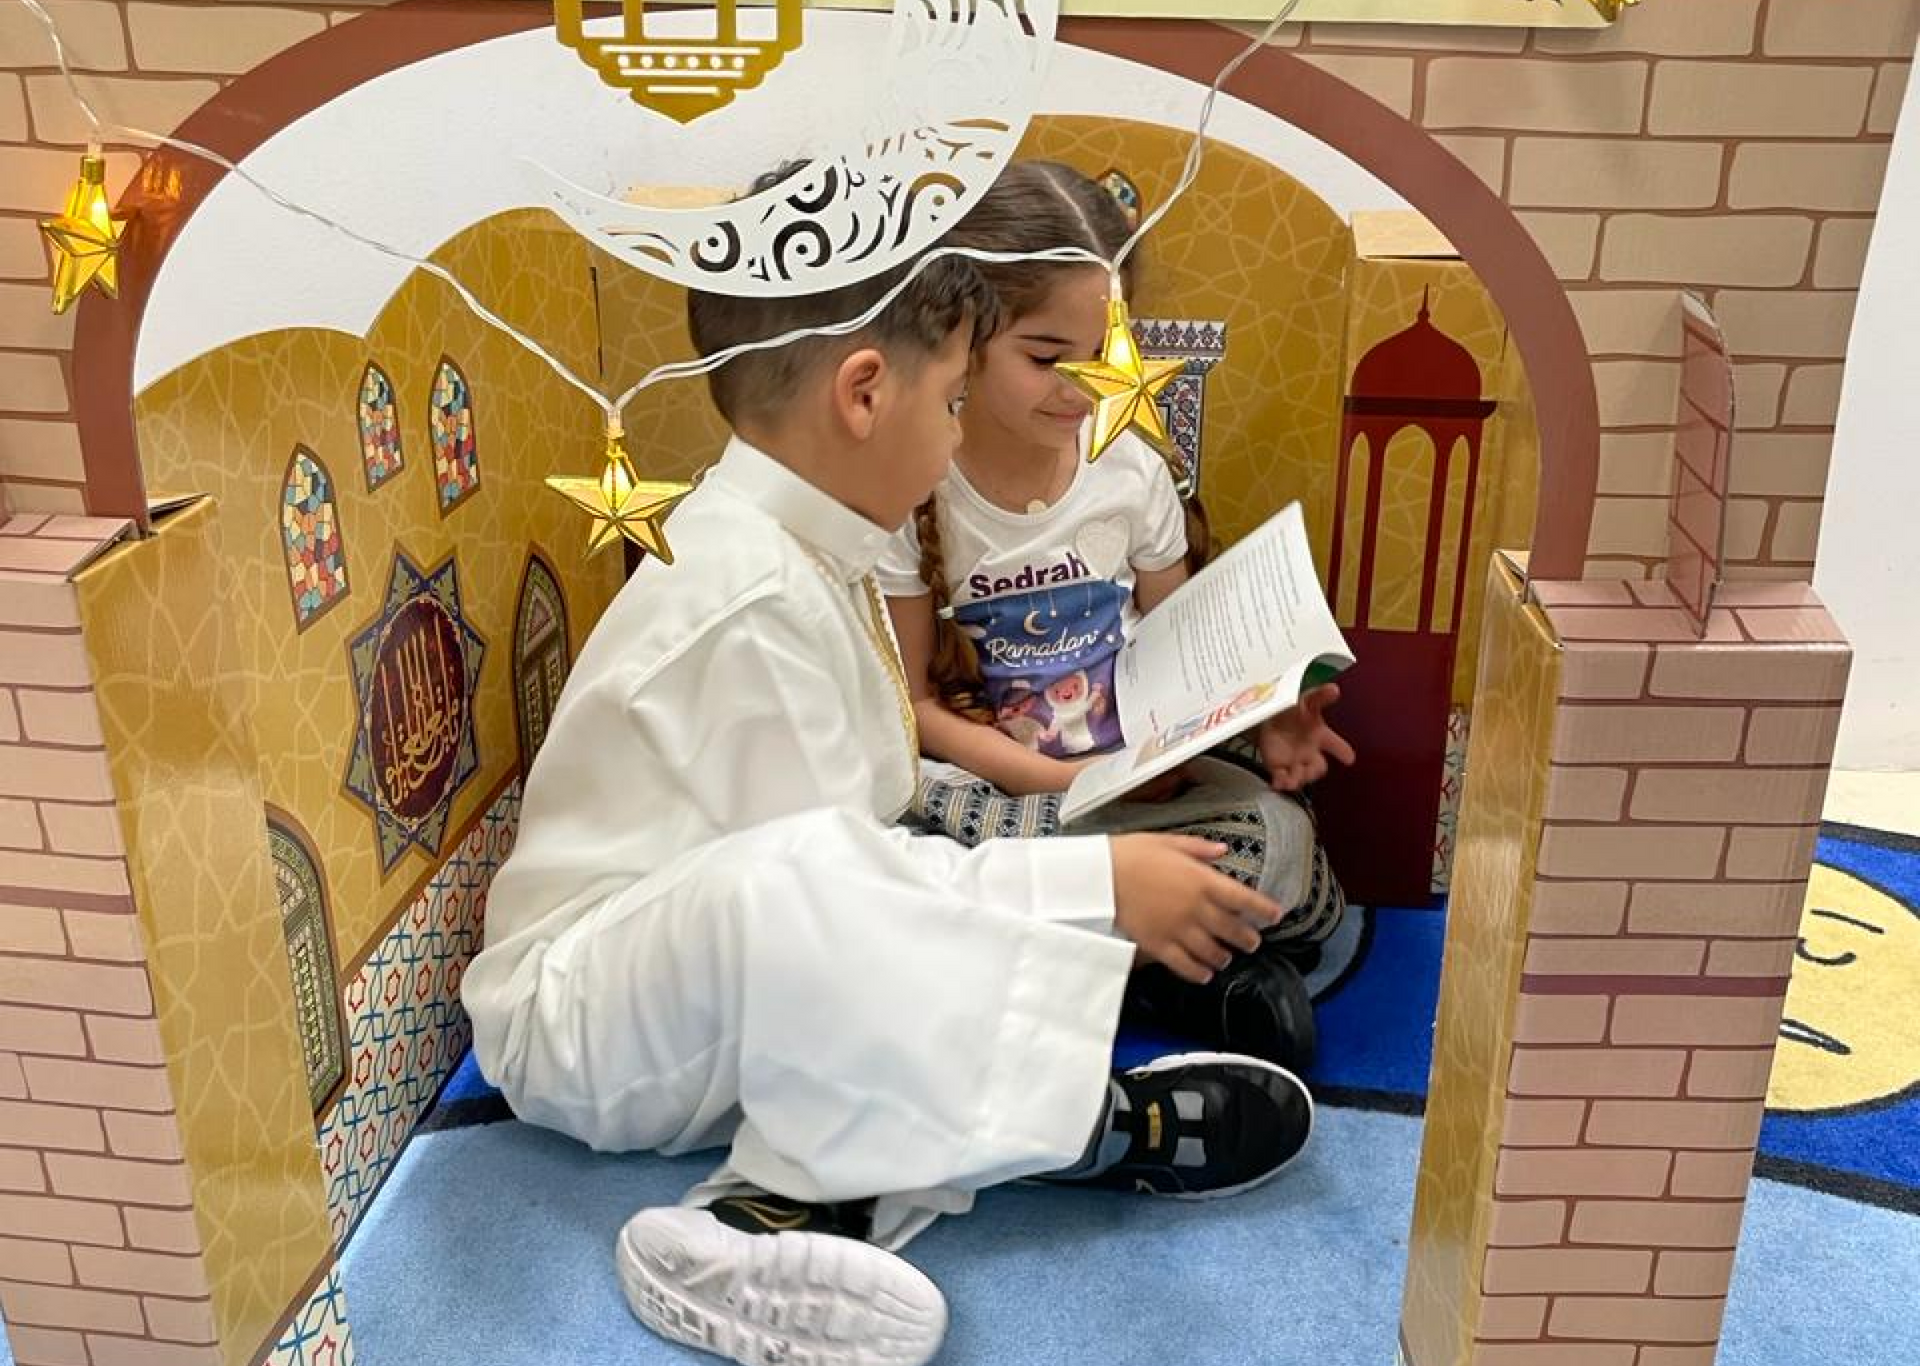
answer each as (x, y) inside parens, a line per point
(1122, 384)
(85, 238)
(621, 504)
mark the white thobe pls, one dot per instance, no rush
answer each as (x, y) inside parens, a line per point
(710, 930)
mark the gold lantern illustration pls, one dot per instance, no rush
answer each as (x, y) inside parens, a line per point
(682, 78)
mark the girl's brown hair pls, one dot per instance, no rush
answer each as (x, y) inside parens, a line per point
(1032, 206)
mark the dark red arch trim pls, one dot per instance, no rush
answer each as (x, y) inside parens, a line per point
(257, 105)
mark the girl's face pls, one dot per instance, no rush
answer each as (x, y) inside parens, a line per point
(1015, 389)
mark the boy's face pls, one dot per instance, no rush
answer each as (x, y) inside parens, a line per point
(916, 432)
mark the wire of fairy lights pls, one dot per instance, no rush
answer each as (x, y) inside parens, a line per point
(614, 406)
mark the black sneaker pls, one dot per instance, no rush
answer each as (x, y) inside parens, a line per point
(763, 1279)
(1258, 1005)
(1202, 1126)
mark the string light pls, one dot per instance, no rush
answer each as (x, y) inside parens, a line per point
(615, 488)
(85, 239)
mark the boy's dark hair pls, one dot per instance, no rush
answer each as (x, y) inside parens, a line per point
(947, 294)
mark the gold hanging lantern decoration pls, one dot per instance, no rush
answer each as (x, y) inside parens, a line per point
(620, 502)
(682, 78)
(84, 241)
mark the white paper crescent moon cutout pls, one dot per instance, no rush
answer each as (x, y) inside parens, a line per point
(961, 82)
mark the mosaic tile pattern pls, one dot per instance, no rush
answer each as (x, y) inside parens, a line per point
(456, 455)
(1452, 784)
(310, 537)
(406, 1027)
(318, 1334)
(1202, 345)
(379, 428)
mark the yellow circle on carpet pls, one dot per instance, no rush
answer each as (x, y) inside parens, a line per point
(1848, 1036)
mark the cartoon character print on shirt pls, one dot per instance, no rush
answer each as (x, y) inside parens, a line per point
(1046, 657)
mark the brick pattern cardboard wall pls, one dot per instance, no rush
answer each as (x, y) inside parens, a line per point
(1682, 805)
(102, 1261)
(1733, 145)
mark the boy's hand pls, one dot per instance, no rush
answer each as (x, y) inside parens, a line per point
(1184, 913)
(1295, 744)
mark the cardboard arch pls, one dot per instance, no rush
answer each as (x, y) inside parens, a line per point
(257, 105)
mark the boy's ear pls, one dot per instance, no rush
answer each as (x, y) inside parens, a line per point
(857, 382)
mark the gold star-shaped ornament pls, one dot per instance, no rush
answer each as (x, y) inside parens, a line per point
(623, 505)
(1123, 385)
(85, 238)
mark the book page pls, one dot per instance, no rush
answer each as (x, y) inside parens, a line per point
(1231, 647)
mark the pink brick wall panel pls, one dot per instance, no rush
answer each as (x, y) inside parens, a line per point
(1780, 796)
(50, 1306)
(1623, 1172)
(1770, 855)
(1755, 910)
(1578, 908)
(47, 1346)
(1732, 1021)
(1615, 957)
(1527, 1223)
(1751, 958)
(34, 1030)
(128, 1041)
(1543, 1123)
(1560, 1019)
(1657, 1223)
(1649, 852)
(180, 1320)
(1511, 1316)
(31, 930)
(1586, 794)
(1729, 1073)
(28, 1259)
(1732, 673)
(1604, 672)
(1561, 1271)
(143, 1273)
(1552, 1354)
(162, 1230)
(82, 986)
(1675, 1124)
(114, 1351)
(1636, 1320)
(1679, 1274)
(28, 1125)
(112, 937)
(70, 1221)
(153, 1137)
(1713, 1176)
(99, 1084)
(1592, 1072)
(120, 1180)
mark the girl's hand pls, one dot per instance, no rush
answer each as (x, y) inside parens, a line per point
(1296, 744)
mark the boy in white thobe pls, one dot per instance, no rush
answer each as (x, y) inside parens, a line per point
(710, 930)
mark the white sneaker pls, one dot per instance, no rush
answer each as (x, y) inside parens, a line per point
(761, 1290)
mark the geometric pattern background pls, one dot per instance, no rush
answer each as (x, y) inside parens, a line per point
(406, 1029)
(318, 1334)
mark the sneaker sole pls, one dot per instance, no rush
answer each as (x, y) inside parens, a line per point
(773, 1299)
(1169, 1063)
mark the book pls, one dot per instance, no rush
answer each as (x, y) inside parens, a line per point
(1237, 643)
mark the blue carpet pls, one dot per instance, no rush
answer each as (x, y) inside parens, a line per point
(492, 1244)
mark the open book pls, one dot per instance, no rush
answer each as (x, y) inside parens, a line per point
(1236, 643)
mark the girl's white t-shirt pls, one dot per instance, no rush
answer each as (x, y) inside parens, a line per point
(1047, 597)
